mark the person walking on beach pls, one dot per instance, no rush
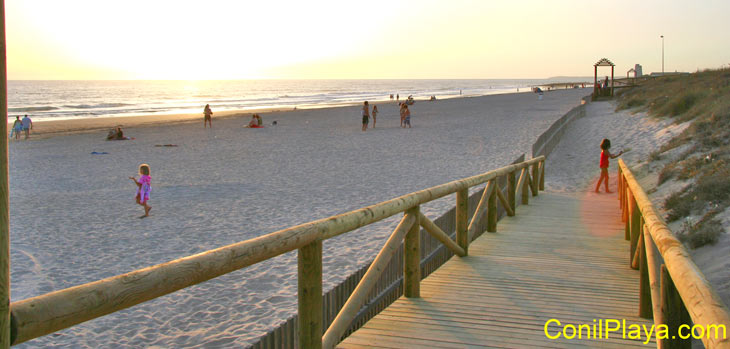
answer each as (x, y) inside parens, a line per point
(605, 155)
(406, 116)
(375, 112)
(365, 115)
(208, 116)
(402, 112)
(27, 125)
(17, 128)
(144, 187)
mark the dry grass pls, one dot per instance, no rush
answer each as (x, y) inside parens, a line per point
(703, 98)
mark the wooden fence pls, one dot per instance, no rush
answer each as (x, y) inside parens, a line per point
(45, 314)
(672, 290)
(390, 285)
(547, 141)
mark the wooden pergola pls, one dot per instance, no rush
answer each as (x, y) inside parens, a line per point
(604, 62)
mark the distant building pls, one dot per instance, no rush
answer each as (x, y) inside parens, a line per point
(637, 71)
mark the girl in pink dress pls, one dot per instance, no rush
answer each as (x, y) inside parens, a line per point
(144, 188)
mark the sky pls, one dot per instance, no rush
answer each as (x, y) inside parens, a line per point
(375, 39)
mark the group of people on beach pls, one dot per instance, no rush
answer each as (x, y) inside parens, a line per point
(21, 126)
(256, 121)
(366, 114)
(405, 115)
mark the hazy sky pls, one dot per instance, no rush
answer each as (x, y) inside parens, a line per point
(240, 39)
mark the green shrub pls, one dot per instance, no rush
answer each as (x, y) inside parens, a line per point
(705, 232)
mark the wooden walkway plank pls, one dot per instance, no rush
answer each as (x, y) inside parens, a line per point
(562, 257)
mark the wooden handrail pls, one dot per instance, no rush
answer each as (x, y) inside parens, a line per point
(45, 314)
(703, 304)
(358, 296)
(439, 234)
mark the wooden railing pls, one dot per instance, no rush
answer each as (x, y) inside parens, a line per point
(45, 314)
(676, 292)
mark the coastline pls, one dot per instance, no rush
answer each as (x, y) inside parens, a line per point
(45, 128)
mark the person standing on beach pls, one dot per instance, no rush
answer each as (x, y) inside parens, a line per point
(365, 115)
(375, 111)
(27, 125)
(144, 188)
(603, 164)
(17, 128)
(406, 116)
(208, 116)
(402, 114)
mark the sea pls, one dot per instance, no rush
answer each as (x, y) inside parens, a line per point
(73, 99)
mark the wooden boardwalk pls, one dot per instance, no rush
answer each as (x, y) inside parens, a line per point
(562, 257)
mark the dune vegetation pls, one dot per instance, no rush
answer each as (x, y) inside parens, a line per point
(703, 100)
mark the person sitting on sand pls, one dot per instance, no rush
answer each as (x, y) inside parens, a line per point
(116, 134)
(259, 120)
(605, 155)
(254, 121)
(208, 116)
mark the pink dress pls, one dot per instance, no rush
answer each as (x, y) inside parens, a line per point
(144, 190)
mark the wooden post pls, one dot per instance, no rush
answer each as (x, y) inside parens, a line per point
(620, 185)
(4, 194)
(504, 202)
(492, 208)
(645, 309)
(309, 285)
(535, 179)
(439, 234)
(412, 258)
(512, 191)
(525, 176)
(462, 219)
(542, 175)
(674, 313)
(359, 295)
(634, 226)
(652, 256)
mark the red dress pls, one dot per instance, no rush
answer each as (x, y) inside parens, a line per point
(604, 159)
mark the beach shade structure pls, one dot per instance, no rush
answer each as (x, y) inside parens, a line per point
(604, 62)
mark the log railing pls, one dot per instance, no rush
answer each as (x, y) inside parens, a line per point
(672, 289)
(45, 314)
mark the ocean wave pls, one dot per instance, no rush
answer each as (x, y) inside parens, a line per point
(97, 106)
(30, 109)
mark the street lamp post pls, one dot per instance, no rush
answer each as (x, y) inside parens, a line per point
(662, 55)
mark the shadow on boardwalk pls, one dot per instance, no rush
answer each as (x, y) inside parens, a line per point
(563, 257)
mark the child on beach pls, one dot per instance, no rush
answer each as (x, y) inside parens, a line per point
(605, 155)
(143, 188)
(208, 116)
(402, 114)
(375, 111)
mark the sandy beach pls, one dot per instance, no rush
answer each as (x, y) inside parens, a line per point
(74, 220)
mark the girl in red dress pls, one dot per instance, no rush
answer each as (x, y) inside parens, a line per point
(605, 154)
